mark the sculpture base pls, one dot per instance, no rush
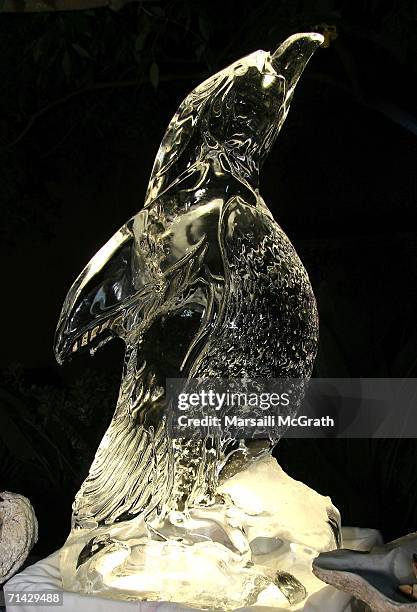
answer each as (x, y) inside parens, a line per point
(255, 545)
(45, 575)
(254, 548)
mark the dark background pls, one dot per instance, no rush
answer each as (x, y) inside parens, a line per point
(85, 98)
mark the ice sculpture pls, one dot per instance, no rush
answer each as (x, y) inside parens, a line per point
(201, 283)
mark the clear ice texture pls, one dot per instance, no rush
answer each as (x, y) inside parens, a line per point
(201, 283)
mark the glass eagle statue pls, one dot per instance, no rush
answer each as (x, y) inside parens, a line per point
(201, 283)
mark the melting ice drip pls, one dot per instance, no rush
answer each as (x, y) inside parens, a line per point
(201, 283)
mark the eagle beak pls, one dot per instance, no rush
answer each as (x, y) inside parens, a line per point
(292, 56)
(96, 298)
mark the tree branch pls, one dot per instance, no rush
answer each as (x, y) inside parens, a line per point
(394, 113)
(88, 88)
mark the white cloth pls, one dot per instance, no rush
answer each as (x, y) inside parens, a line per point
(45, 575)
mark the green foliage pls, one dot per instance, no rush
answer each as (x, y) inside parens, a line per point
(154, 74)
(87, 70)
(51, 432)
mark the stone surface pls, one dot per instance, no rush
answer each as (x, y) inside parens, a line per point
(373, 577)
(18, 532)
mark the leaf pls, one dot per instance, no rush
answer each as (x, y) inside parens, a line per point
(204, 27)
(37, 50)
(200, 50)
(14, 439)
(117, 5)
(157, 11)
(66, 64)
(154, 74)
(81, 51)
(142, 34)
(12, 434)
